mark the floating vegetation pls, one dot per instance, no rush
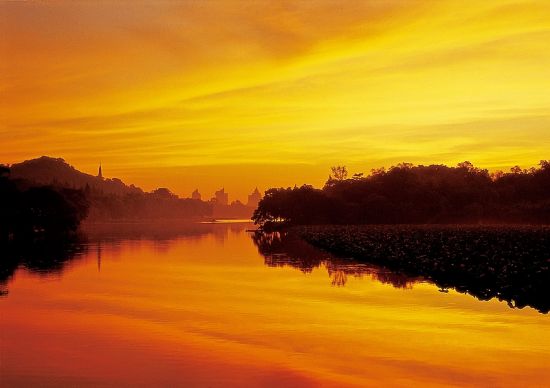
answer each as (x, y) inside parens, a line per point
(281, 249)
(511, 263)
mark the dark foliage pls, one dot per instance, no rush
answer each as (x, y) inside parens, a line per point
(405, 194)
(109, 199)
(282, 249)
(510, 263)
(145, 206)
(38, 212)
(39, 256)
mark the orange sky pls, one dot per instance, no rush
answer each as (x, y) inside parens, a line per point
(243, 93)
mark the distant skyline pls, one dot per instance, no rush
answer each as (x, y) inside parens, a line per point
(238, 94)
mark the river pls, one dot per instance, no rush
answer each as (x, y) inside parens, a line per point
(213, 305)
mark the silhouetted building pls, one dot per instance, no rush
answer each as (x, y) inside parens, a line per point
(221, 197)
(100, 173)
(254, 198)
(196, 195)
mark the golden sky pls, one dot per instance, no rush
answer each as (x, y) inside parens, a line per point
(207, 94)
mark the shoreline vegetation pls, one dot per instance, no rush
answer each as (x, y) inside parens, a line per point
(408, 194)
(110, 199)
(281, 249)
(510, 263)
(32, 214)
(434, 222)
(48, 199)
(481, 233)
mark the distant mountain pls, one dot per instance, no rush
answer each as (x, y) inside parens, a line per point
(112, 199)
(108, 199)
(55, 171)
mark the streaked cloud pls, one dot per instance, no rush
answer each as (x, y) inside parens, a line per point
(166, 86)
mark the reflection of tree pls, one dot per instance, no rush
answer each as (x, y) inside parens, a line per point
(38, 257)
(52, 256)
(339, 270)
(281, 249)
(505, 262)
(160, 231)
(339, 277)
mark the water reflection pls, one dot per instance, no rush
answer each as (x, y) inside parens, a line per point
(47, 258)
(198, 307)
(160, 232)
(277, 250)
(522, 290)
(39, 257)
(281, 249)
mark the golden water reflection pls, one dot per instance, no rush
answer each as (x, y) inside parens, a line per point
(280, 250)
(198, 306)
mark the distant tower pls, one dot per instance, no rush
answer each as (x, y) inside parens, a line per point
(221, 197)
(254, 198)
(196, 195)
(100, 173)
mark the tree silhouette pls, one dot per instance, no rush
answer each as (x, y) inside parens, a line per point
(339, 173)
(37, 211)
(414, 194)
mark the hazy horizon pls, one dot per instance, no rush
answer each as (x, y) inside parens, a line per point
(207, 194)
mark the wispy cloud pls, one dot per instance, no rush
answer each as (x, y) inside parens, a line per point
(305, 84)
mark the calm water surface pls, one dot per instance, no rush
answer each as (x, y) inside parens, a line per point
(201, 306)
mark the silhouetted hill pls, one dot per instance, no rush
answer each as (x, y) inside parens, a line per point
(109, 199)
(55, 171)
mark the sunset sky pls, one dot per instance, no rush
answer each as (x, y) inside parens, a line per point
(187, 94)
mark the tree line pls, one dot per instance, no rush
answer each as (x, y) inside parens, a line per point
(28, 211)
(110, 199)
(410, 194)
(141, 206)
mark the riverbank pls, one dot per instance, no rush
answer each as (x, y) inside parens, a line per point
(510, 263)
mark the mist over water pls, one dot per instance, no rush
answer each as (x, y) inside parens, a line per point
(214, 305)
